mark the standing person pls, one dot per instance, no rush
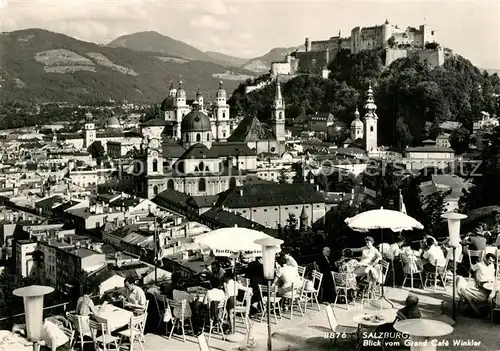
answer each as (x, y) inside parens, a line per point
(85, 306)
(216, 271)
(325, 266)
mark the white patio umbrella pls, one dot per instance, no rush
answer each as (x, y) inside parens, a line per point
(232, 240)
(383, 219)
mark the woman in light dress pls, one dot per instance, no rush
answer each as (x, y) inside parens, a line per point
(368, 263)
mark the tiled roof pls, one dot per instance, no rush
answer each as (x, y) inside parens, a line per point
(229, 219)
(429, 149)
(258, 195)
(101, 276)
(197, 151)
(173, 149)
(156, 122)
(50, 201)
(230, 149)
(251, 129)
(203, 201)
(172, 196)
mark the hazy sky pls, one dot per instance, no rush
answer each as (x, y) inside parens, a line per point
(251, 28)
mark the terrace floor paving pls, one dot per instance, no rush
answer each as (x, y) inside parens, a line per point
(308, 332)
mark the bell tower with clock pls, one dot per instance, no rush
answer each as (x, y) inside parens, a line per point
(153, 168)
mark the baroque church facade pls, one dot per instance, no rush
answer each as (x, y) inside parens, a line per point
(190, 148)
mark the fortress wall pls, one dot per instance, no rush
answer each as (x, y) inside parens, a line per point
(392, 55)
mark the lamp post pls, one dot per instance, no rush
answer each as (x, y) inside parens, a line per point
(33, 308)
(270, 247)
(454, 219)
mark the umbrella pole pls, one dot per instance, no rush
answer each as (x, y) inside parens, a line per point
(382, 302)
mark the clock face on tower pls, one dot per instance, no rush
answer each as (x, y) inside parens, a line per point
(154, 143)
(154, 153)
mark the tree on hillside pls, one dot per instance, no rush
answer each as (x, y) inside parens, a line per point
(486, 179)
(298, 169)
(460, 140)
(151, 112)
(433, 208)
(96, 150)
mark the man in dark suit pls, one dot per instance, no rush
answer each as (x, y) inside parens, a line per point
(325, 266)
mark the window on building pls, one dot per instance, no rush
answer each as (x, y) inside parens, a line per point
(281, 115)
(201, 167)
(223, 133)
(198, 137)
(232, 182)
(187, 137)
(371, 128)
(223, 115)
(273, 149)
(265, 210)
(170, 184)
(255, 210)
(155, 165)
(155, 190)
(208, 136)
(202, 185)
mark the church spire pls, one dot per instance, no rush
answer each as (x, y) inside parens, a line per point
(370, 106)
(277, 95)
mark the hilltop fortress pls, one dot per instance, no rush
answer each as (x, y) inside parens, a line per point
(397, 42)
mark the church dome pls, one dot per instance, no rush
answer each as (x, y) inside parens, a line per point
(113, 122)
(196, 121)
(357, 124)
(180, 93)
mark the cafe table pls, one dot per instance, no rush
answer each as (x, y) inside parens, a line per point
(117, 317)
(423, 333)
(366, 320)
(492, 286)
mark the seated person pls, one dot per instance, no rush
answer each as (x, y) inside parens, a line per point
(348, 266)
(474, 293)
(213, 297)
(286, 277)
(434, 255)
(216, 271)
(168, 291)
(85, 306)
(409, 311)
(369, 257)
(232, 289)
(392, 250)
(289, 259)
(475, 240)
(135, 298)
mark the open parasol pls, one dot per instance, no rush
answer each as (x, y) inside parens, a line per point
(383, 219)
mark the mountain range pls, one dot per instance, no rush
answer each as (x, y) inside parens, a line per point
(39, 65)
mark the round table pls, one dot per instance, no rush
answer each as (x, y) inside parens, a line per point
(359, 320)
(423, 332)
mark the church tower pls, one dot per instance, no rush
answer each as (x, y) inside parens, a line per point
(371, 119)
(181, 108)
(356, 127)
(153, 167)
(90, 134)
(278, 114)
(172, 91)
(220, 115)
(199, 99)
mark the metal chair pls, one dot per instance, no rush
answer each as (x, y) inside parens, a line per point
(216, 314)
(312, 295)
(179, 316)
(337, 329)
(80, 325)
(274, 300)
(410, 268)
(440, 274)
(341, 289)
(302, 271)
(70, 334)
(101, 335)
(243, 308)
(294, 297)
(135, 331)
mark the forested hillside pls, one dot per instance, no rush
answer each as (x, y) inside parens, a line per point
(408, 93)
